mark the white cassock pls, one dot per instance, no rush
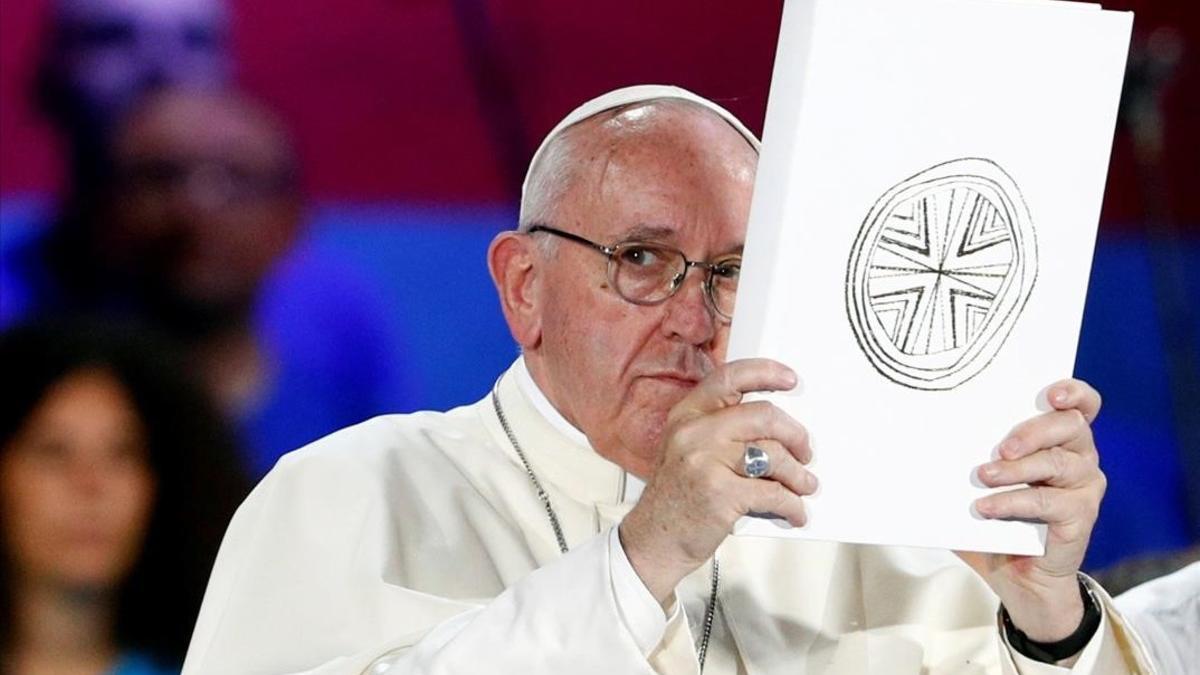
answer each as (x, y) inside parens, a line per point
(417, 544)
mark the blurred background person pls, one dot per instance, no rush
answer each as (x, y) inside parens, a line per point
(201, 202)
(200, 216)
(97, 58)
(181, 209)
(116, 480)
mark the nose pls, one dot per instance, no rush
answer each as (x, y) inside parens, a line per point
(688, 315)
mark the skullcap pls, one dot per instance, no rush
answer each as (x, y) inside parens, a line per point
(626, 96)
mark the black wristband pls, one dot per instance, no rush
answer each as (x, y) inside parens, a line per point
(1053, 652)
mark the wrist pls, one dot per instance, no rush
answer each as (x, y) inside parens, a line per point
(654, 569)
(1049, 613)
(1061, 648)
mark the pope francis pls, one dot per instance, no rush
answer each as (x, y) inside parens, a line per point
(576, 519)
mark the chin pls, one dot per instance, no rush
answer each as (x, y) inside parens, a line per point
(91, 578)
(644, 433)
(94, 566)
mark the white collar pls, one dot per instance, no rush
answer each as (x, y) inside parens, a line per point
(633, 484)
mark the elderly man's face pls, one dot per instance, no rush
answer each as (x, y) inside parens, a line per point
(669, 174)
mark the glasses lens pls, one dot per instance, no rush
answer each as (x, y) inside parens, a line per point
(644, 273)
(724, 284)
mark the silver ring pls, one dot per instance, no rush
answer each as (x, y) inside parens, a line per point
(755, 462)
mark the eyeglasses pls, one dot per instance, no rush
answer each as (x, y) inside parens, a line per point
(647, 273)
(219, 181)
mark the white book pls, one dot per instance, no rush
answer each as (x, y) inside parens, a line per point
(919, 246)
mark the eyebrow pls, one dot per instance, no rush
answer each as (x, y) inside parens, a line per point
(665, 235)
(648, 233)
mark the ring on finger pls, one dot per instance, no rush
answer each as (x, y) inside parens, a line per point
(755, 462)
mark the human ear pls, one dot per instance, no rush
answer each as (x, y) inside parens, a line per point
(513, 263)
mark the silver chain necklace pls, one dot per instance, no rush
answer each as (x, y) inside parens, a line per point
(544, 498)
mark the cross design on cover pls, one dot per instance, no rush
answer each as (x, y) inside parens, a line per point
(939, 273)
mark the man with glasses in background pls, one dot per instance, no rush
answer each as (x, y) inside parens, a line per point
(184, 212)
(576, 519)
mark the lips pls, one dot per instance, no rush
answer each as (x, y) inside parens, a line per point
(682, 369)
(678, 379)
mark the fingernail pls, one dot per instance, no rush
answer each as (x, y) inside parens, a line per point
(792, 378)
(811, 482)
(1058, 396)
(981, 508)
(1010, 447)
(989, 471)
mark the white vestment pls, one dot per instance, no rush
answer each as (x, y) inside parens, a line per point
(1165, 612)
(417, 544)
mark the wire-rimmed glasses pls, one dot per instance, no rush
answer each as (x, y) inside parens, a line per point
(647, 273)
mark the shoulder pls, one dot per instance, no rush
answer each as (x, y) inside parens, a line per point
(390, 456)
(392, 484)
(1166, 613)
(391, 438)
(1165, 594)
(1171, 602)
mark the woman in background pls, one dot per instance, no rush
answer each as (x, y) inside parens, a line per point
(117, 480)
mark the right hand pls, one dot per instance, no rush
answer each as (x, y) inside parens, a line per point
(698, 490)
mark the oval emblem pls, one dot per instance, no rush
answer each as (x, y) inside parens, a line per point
(939, 273)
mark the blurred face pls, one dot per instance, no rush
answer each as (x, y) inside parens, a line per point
(75, 486)
(112, 51)
(665, 174)
(204, 200)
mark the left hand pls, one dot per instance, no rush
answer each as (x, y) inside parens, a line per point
(1055, 455)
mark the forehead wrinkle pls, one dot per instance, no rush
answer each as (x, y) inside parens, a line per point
(606, 163)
